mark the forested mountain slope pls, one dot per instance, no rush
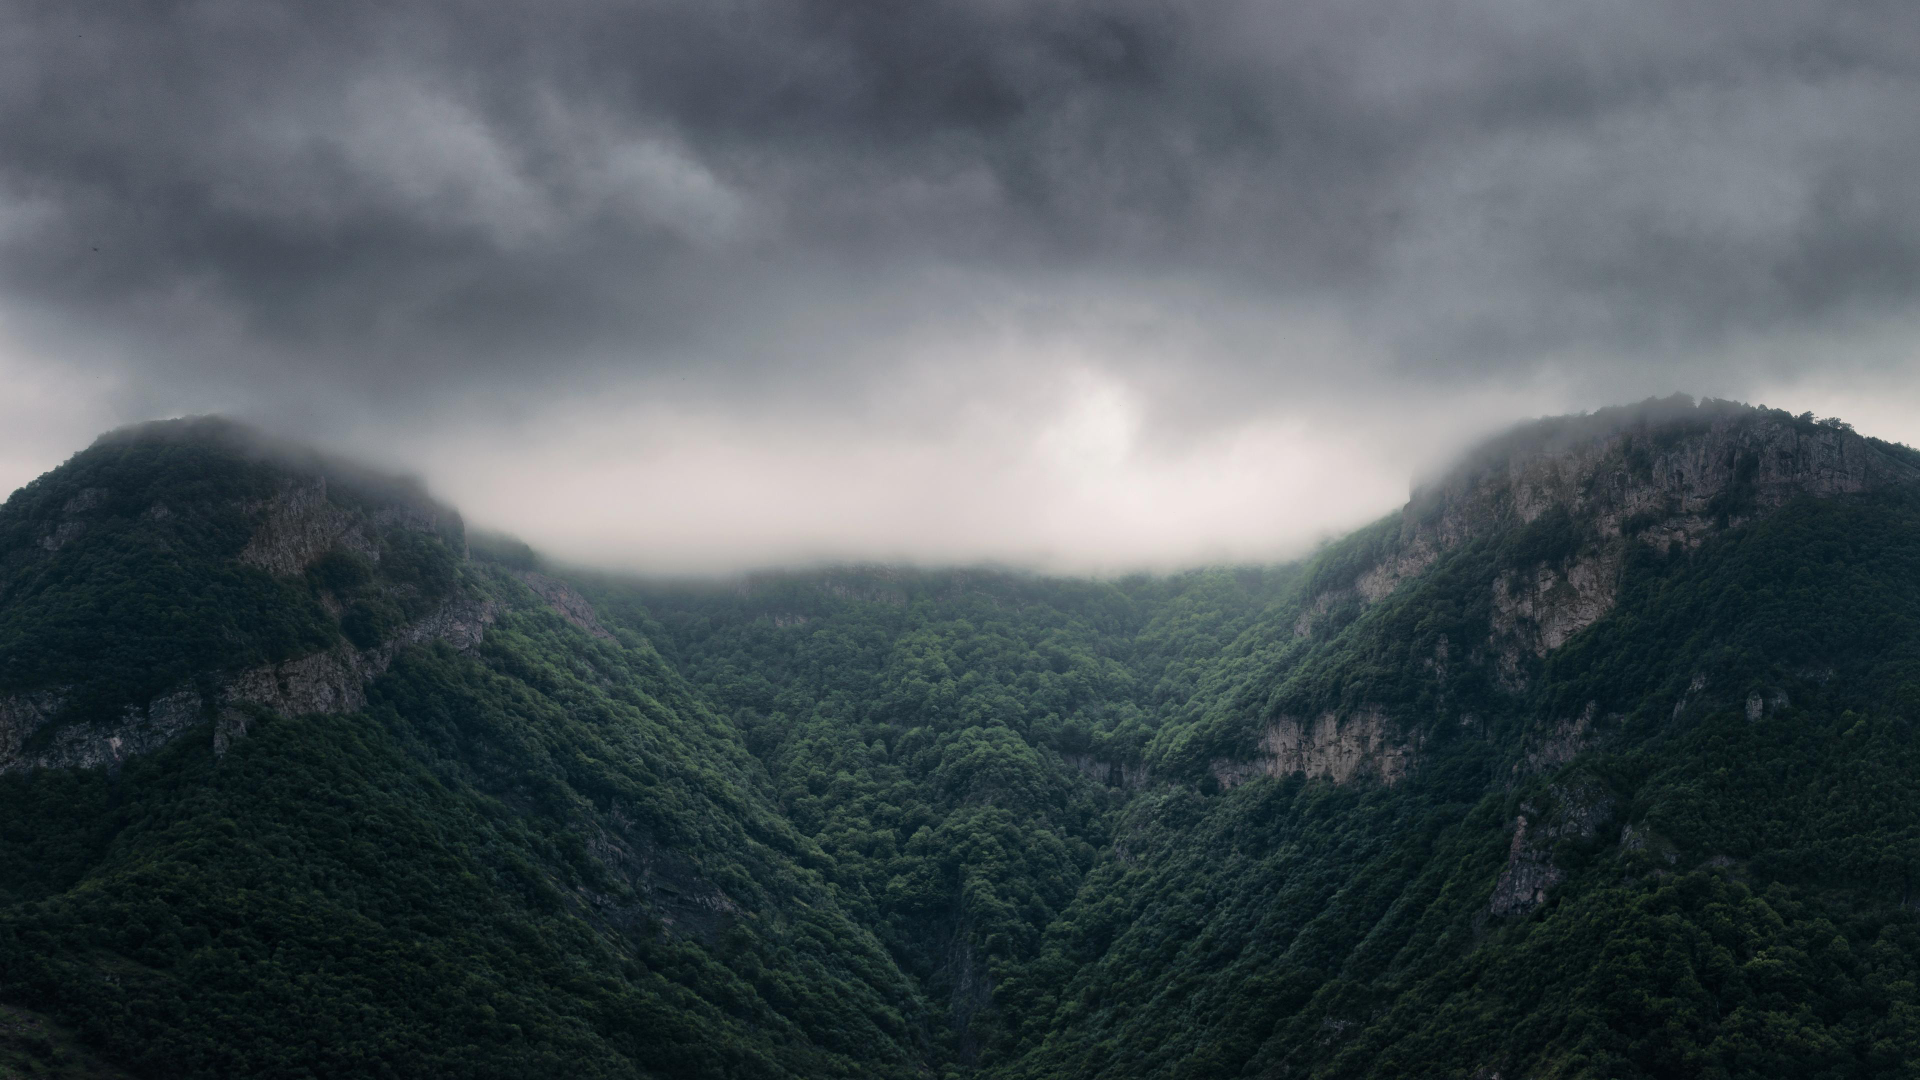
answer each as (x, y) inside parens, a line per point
(1619, 781)
(1596, 760)
(397, 814)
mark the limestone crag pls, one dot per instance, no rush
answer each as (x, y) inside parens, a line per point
(299, 525)
(1548, 605)
(1371, 587)
(303, 522)
(71, 525)
(565, 602)
(1665, 472)
(1341, 749)
(21, 715)
(1319, 606)
(335, 681)
(1673, 475)
(62, 534)
(1529, 873)
(1578, 812)
(1538, 610)
(137, 730)
(1409, 562)
(1560, 742)
(332, 681)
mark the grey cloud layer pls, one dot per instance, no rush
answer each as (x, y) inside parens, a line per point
(387, 200)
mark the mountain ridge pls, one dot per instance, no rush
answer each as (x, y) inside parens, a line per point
(1329, 818)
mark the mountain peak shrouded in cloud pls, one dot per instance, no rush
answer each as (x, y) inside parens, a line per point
(623, 529)
(1070, 283)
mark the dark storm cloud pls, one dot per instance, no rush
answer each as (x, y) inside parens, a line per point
(384, 197)
(1064, 282)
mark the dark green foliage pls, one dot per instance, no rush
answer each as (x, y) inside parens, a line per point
(918, 739)
(897, 823)
(33, 1046)
(545, 858)
(341, 573)
(1761, 921)
(1550, 539)
(102, 591)
(501, 550)
(407, 892)
(120, 576)
(1299, 927)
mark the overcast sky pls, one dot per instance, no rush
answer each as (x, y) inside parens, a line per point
(704, 284)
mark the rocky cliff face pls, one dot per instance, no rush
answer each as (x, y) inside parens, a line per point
(302, 522)
(1558, 505)
(1608, 481)
(1576, 812)
(134, 491)
(1664, 472)
(299, 525)
(29, 738)
(1338, 748)
(565, 602)
(331, 681)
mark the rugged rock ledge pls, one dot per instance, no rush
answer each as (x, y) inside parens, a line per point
(1663, 472)
(565, 602)
(333, 681)
(1578, 812)
(307, 507)
(1561, 502)
(303, 522)
(1339, 749)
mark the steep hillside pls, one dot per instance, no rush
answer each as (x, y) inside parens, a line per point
(959, 743)
(291, 785)
(1337, 810)
(1596, 760)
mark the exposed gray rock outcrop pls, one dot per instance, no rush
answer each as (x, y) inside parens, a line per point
(336, 680)
(1578, 812)
(137, 730)
(1671, 474)
(304, 521)
(1663, 473)
(1561, 742)
(332, 681)
(62, 534)
(1409, 562)
(71, 525)
(301, 524)
(1341, 749)
(565, 602)
(1672, 485)
(1318, 607)
(1540, 609)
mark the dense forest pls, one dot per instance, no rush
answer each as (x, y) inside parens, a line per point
(1598, 760)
